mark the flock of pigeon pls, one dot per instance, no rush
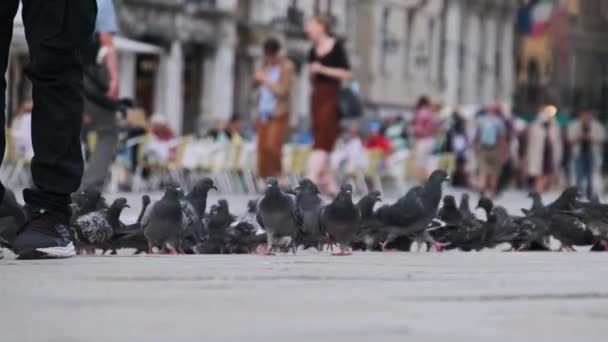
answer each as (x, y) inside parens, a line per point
(284, 221)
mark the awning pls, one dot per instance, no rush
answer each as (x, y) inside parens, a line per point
(129, 45)
(19, 44)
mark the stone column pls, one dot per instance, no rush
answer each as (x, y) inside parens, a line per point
(127, 74)
(488, 86)
(507, 66)
(174, 107)
(470, 78)
(219, 94)
(451, 70)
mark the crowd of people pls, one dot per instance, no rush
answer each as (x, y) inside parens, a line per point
(491, 147)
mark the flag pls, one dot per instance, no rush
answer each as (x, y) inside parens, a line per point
(541, 15)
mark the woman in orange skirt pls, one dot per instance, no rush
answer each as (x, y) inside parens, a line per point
(328, 67)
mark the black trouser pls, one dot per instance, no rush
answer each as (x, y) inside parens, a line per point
(56, 31)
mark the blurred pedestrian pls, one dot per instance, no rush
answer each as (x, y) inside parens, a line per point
(101, 84)
(458, 144)
(376, 140)
(490, 139)
(274, 80)
(56, 34)
(328, 66)
(544, 150)
(234, 128)
(395, 132)
(587, 136)
(425, 129)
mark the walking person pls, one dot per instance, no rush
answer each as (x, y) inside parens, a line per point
(56, 35)
(586, 136)
(101, 81)
(274, 80)
(490, 140)
(425, 129)
(328, 67)
(544, 150)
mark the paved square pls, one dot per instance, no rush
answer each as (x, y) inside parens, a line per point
(369, 296)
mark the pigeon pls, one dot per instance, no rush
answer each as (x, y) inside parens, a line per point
(561, 219)
(12, 218)
(411, 214)
(87, 201)
(309, 204)
(278, 215)
(341, 219)
(595, 216)
(98, 227)
(500, 228)
(464, 207)
(130, 236)
(193, 210)
(371, 231)
(216, 223)
(462, 230)
(162, 222)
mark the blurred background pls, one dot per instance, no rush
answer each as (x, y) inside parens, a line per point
(188, 66)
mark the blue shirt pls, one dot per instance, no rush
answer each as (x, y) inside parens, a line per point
(106, 17)
(267, 101)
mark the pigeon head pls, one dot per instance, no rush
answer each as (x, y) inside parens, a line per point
(449, 201)
(307, 186)
(214, 209)
(438, 177)
(375, 195)
(87, 199)
(571, 193)
(252, 206)
(486, 204)
(223, 205)
(203, 186)
(173, 193)
(120, 203)
(145, 200)
(272, 185)
(346, 193)
(501, 213)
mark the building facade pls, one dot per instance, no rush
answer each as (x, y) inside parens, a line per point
(195, 58)
(566, 64)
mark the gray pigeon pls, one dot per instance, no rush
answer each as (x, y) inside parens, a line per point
(309, 205)
(12, 218)
(372, 232)
(162, 223)
(412, 214)
(98, 227)
(278, 215)
(341, 219)
(193, 210)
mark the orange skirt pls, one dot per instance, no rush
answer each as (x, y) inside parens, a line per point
(325, 117)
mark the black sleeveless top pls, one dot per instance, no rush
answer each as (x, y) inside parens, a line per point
(335, 58)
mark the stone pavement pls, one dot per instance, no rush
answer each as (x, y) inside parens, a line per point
(369, 296)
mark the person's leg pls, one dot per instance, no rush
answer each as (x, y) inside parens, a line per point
(328, 177)
(315, 165)
(261, 153)
(588, 169)
(579, 171)
(104, 121)
(8, 8)
(56, 31)
(277, 129)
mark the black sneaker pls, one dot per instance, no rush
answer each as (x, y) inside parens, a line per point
(44, 236)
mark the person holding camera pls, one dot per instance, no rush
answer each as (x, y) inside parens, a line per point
(586, 136)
